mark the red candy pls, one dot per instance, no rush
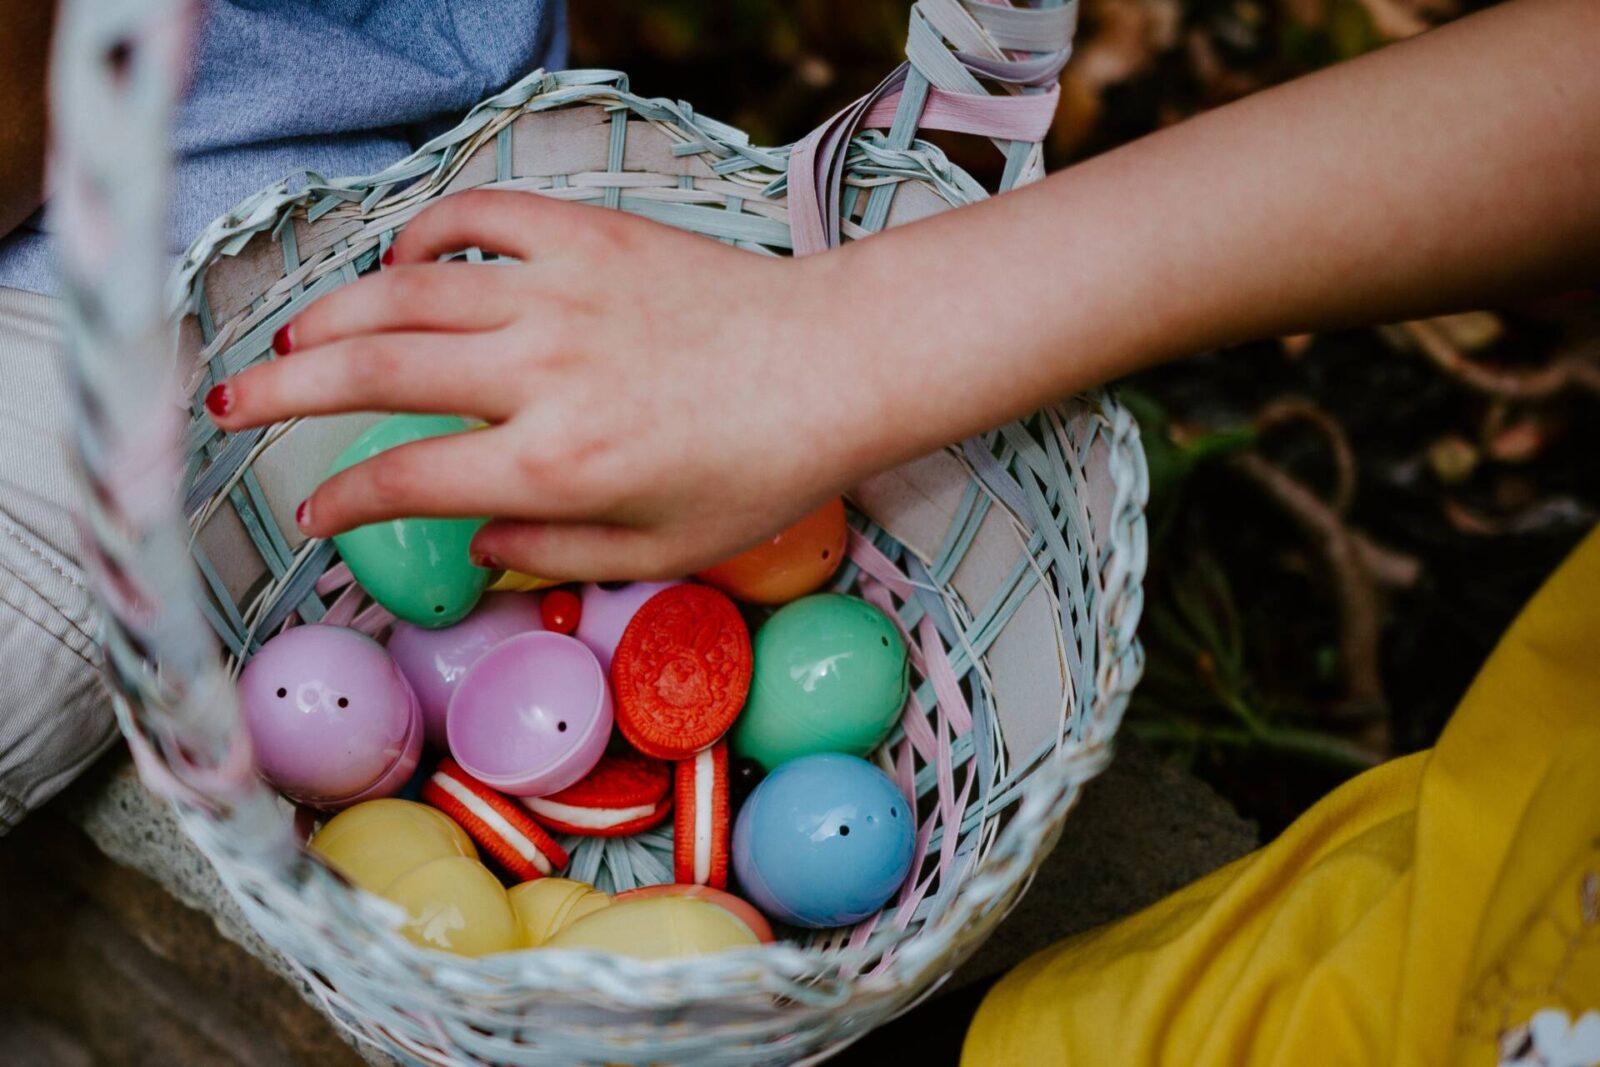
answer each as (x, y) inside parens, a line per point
(681, 672)
(560, 611)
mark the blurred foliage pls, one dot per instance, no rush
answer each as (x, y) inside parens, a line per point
(1341, 526)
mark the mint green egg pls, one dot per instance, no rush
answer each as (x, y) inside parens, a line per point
(830, 675)
(419, 569)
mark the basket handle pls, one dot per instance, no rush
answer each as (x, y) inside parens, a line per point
(956, 50)
(115, 76)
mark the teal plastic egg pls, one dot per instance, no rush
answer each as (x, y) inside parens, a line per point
(830, 676)
(419, 569)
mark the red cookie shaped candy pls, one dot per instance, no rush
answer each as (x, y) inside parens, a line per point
(501, 828)
(701, 823)
(624, 794)
(681, 672)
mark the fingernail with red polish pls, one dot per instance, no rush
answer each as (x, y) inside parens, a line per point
(302, 514)
(387, 259)
(283, 340)
(486, 561)
(219, 400)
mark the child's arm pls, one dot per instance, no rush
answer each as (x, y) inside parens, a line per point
(664, 399)
(24, 48)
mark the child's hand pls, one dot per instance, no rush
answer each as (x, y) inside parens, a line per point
(649, 414)
(660, 400)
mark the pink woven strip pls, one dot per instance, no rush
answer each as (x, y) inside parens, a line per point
(914, 720)
(944, 764)
(1010, 118)
(816, 172)
(373, 620)
(956, 810)
(943, 677)
(336, 577)
(866, 556)
(916, 887)
(863, 930)
(344, 609)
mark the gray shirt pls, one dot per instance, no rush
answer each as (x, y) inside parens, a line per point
(340, 87)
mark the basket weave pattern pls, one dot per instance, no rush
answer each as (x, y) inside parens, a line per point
(1011, 561)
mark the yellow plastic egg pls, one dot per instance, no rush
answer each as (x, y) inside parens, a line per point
(375, 842)
(545, 906)
(455, 904)
(654, 928)
(517, 582)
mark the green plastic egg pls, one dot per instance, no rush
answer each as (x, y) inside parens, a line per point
(830, 676)
(419, 569)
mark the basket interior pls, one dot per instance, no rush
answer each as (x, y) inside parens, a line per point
(996, 557)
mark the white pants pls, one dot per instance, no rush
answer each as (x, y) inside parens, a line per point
(55, 716)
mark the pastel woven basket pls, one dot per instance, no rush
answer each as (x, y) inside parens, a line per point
(1012, 561)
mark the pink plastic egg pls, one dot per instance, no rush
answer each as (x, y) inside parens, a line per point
(331, 718)
(532, 716)
(435, 661)
(607, 612)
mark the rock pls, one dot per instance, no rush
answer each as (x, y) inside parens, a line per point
(1142, 830)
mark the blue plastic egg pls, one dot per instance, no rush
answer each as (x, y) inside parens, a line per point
(824, 840)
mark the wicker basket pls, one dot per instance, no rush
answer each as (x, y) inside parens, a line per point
(1012, 561)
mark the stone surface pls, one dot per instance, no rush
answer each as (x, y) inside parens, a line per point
(1141, 830)
(106, 967)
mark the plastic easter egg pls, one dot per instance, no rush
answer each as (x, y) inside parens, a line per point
(455, 904)
(331, 718)
(417, 568)
(531, 716)
(799, 560)
(517, 582)
(743, 909)
(374, 843)
(547, 906)
(435, 660)
(606, 611)
(656, 928)
(830, 676)
(823, 841)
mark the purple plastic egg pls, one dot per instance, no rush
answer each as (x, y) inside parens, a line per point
(435, 661)
(331, 718)
(607, 612)
(532, 716)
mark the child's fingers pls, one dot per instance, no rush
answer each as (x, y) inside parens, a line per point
(569, 551)
(461, 475)
(414, 372)
(432, 297)
(502, 222)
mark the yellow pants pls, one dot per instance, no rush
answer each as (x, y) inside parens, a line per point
(1441, 909)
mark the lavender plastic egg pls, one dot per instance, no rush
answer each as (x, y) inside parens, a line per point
(532, 716)
(331, 718)
(607, 612)
(434, 661)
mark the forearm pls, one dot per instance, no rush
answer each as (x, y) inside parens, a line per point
(24, 48)
(1451, 170)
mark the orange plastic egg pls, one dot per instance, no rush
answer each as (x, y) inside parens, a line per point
(798, 561)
